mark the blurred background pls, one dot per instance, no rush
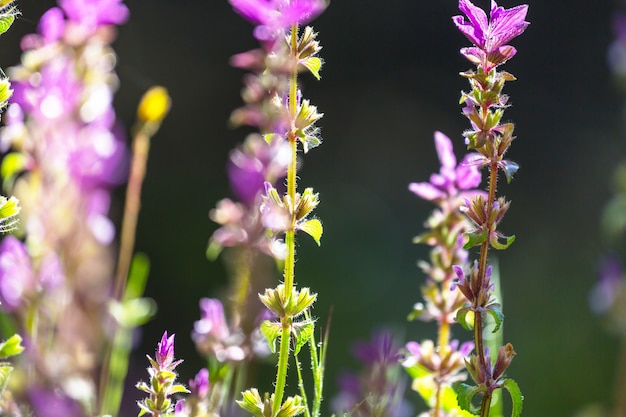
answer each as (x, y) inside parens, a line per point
(390, 80)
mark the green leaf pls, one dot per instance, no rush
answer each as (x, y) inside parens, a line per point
(462, 318)
(475, 238)
(496, 312)
(137, 276)
(313, 64)
(516, 396)
(313, 228)
(302, 332)
(495, 242)
(11, 347)
(6, 22)
(450, 403)
(465, 393)
(271, 331)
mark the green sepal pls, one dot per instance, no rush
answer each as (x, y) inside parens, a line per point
(313, 64)
(178, 388)
(11, 347)
(495, 242)
(12, 164)
(475, 238)
(313, 228)
(251, 402)
(465, 393)
(461, 318)
(291, 407)
(271, 331)
(5, 88)
(310, 142)
(509, 168)
(495, 311)
(9, 207)
(302, 333)
(517, 398)
(6, 22)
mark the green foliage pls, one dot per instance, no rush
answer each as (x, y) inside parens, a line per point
(302, 333)
(516, 396)
(6, 22)
(271, 331)
(313, 64)
(495, 312)
(11, 347)
(495, 242)
(475, 238)
(465, 394)
(462, 318)
(313, 228)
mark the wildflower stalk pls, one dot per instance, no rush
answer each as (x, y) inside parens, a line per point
(289, 269)
(484, 107)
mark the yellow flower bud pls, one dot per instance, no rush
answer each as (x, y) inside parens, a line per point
(154, 105)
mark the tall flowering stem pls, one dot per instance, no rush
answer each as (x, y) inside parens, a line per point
(434, 366)
(274, 104)
(484, 107)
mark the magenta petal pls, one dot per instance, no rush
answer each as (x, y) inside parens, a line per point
(505, 24)
(256, 11)
(443, 144)
(426, 191)
(52, 25)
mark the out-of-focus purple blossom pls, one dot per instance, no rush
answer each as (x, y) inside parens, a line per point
(51, 274)
(48, 403)
(16, 273)
(212, 335)
(379, 389)
(55, 93)
(274, 16)
(380, 349)
(453, 180)
(445, 365)
(52, 25)
(490, 36)
(199, 386)
(256, 162)
(610, 284)
(91, 14)
(616, 54)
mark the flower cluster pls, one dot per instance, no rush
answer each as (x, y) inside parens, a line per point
(448, 189)
(66, 152)
(484, 107)
(162, 380)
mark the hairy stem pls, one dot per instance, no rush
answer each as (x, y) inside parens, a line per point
(289, 271)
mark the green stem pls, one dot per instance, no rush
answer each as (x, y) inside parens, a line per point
(289, 272)
(283, 359)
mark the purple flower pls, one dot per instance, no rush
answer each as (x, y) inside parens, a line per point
(199, 386)
(52, 25)
(452, 181)
(47, 403)
(609, 285)
(91, 14)
(212, 335)
(16, 273)
(380, 349)
(164, 354)
(490, 37)
(274, 16)
(255, 162)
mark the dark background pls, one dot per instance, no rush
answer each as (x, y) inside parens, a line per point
(390, 80)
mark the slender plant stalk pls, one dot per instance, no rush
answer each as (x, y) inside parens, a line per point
(289, 271)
